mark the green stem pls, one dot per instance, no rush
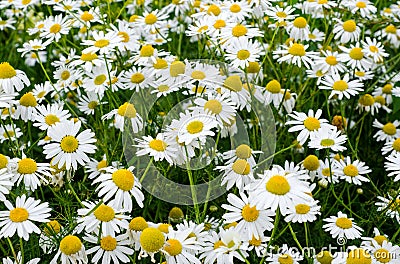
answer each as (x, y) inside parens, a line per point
(295, 237)
(74, 193)
(12, 250)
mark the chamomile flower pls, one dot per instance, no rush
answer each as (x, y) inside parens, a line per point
(353, 254)
(390, 206)
(126, 110)
(341, 86)
(384, 252)
(242, 51)
(252, 221)
(151, 21)
(19, 219)
(55, 27)
(67, 146)
(102, 43)
(98, 80)
(258, 245)
(47, 116)
(364, 7)
(346, 31)
(285, 255)
(137, 79)
(89, 17)
(88, 103)
(298, 29)
(159, 148)
(295, 53)
(87, 61)
(242, 151)
(329, 63)
(71, 251)
(236, 31)
(219, 106)
(355, 57)
(352, 172)
(9, 132)
(303, 212)
(328, 138)
(342, 226)
(152, 241)
(374, 49)
(327, 171)
(391, 147)
(30, 172)
(118, 185)
(12, 79)
(392, 166)
(19, 260)
(238, 173)
(280, 14)
(387, 132)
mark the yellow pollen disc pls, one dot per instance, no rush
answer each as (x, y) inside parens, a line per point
(176, 213)
(285, 259)
(41, 94)
(349, 26)
(6, 71)
(198, 75)
(391, 29)
(195, 127)
(163, 88)
(297, 50)
(52, 227)
(326, 172)
(324, 257)
(202, 29)
(26, 2)
(92, 104)
(379, 239)
(350, 170)
(253, 67)
(327, 142)
(51, 119)
(395, 146)
(243, 151)
(55, 28)
(255, 242)
(70, 245)
(241, 167)
(340, 85)
(33, 56)
(138, 224)
(233, 83)
(219, 244)
(108, 243)
(65, 75)
(69, 144)
(152, 239)
(278, 185)
(366, 100)
(27, 166)
(102, 164)
(281, 14)
(361, 4)
(302, 208)
(311, 163)
(164, 228)
(356, 53)
(373, 49)
(28, 100)
(331, 60)
(300, 22)
(137, 77)
(219, 23)
(133, 18)
(19, 215)
(160, 64)
(311, 123)
(173, 247)
(383, 255)
(127, 110)
(380, 99)
(176, 68)
(104, 213)
(146, 51)
(389, 129)
(158, 145)
(177, 2)
(3, 161)
(250, 214)
(273, 87)
(101, 43)
(387, 88)
(358, 256)
(214, 106)
(235, 8)
(8, 134)
(86, 16)
(88, 56)
(124, 179)
(214, 9)
(239, 30)
(243, 54)
(150, 19)
(344, 223)
(100, 79)
(124, 35)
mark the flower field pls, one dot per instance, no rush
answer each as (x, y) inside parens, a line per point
(200, 131)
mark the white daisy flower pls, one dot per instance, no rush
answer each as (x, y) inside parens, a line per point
(9, 132)
(26, 107)
(88, 103)
(285, 255)
(102, 43)
(390, 206)
(392, 165)
(242, 51)
(137, 78)
(352, 172)
(303, 212)
(259, 245)
(347, 31)
(238, 173)
(87, 61)
(71, 251)
(341, 86)
(31, 173)
(387, 132)
(295, 53)
(151, 21)
(374, 49)
(41, 90)
(329, 63)
(242, 151)
(384, 252)
(328, 138)
(342, 226)
(364, 7)
(98, 81)
(219, 106)
(19, 219)
(55, 27)
(298, 29)
(19, 260)
(327, 171)
(159, 148)
(50, 115)
(67, 146)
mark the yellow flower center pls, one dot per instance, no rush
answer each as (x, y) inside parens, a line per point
(358, 256)
(285, 259)
(8, 134)
(7, 71)
(350, 170)
(219, 23)
(281, 14)
(150, 19)
(324, 257)
(28, 100)
(344, 223)
(311, 162)
(104, 213)
(214, 106)
(137, 77)
(243, 54)
(391, 29)
(253, 67)
(160, 64)
(202, 29)
(198, 75)
(395, 145)
(124, 35)
(195, 127)
(163, 88)
(356, 53)
(138, 224)
(366, 100)
(239, 30)
(88, 56)
(233, 83)
(65, 75)
(255, 242)
(340, 86)
(100, 79)
(86, 16)
(327, 142)
(214, 9)
(380, 99)
(128, 110)
(302, 208)
(101, 43)
(124, 179)
(19, 215)
(52, 227)
(69, 144)
(164, 228)
(241, 167)
(70, 245)
(108, 243)
(250, 214)
(273, 86)
(383, 255)
(311, 123)
(26, 2)
(297, 50)
(331, 60)
(151, 239)
(387, 88)
(373, 49)
(146, 51)
(3, 161)
(219, 244)
(173, 247)
(379, 239)
(176, 68)
(55, 28)
(326, 172)
(243, 151)
(361, 4)
(389, 129)
(51, 119)
(278, 185)
(27, 166)
(92, 104)
(235, 8)
(349, 26)
(158, 145)
(300, 22)
(176, 213)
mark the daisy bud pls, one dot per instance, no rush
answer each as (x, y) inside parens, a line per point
(360, 191)
(323, 184)
(176, 215)
(213, 208)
